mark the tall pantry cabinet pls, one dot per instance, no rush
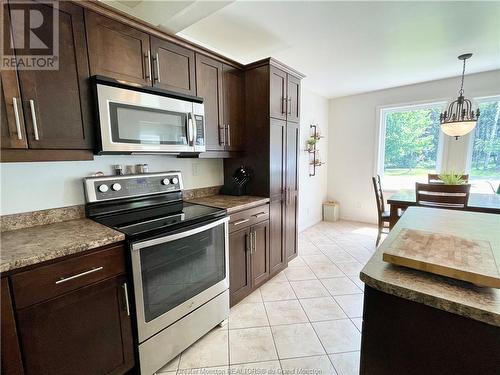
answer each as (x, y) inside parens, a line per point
(272, 110)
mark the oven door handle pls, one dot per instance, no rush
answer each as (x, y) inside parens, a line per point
(177, 236)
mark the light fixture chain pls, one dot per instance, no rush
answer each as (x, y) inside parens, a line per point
(462, 84)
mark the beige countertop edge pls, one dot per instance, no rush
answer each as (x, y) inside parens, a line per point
(455, 307)
(246, 206)
(214, 201)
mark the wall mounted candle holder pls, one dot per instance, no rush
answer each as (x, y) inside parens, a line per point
(311, 148)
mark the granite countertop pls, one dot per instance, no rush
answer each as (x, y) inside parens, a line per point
(454, 296)
(230, 202)
(32, 245)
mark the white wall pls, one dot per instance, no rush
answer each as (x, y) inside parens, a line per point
(37, 186)
(312, 190)
(353, 137)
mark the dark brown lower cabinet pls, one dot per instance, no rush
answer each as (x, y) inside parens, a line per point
(11, 354)
(87, 331)
(249, 251)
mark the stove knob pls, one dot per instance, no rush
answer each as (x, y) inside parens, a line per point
(175, 180)
(165, 181)
(116, 186)
(103, 188)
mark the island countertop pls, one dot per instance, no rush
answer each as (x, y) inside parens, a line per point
(454, 296)
(230, 202)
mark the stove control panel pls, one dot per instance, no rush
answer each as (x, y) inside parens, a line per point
(116, 187)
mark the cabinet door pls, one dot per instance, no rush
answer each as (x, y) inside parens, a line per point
(277, 258)
(117, 50)
(278, 92)
(57, 102)
(292, 151)
(233, 108)
(240, 279)
(260, 254)
(87, 331)
(11, 112)
(11, 354)
(209, 87)
(173, 67)
(293, 99)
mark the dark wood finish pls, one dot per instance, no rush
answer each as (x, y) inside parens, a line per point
(277, 255)
(240, 277)
(9, 155)
(117, 50)
(61, 97)
(260, 255)
(293, 99)
(433, 178)
(39, 284)
(209, 87)
(404, 337)
(248, 217)
(232, 80)
(382, 214)
(11, 361)
(442, 196)
(278, 93)
(402, 199)
(173, 67)
(86, 331)
(291, 189)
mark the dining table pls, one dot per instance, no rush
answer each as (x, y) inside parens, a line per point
(478, 202)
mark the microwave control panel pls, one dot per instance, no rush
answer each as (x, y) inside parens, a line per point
(117, 187)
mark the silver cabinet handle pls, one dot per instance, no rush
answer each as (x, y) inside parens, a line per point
(158, 78)
(124, 286)
(259, 215)
(33, 117)
(222, 140)
(16, 117)
(65, 279)
(228, 129)
(283, 105)
(254, 241)
(147, 57)
(240, 221)
(289, 100)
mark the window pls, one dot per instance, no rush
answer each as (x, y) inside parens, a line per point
(484, 161)
(410, 144)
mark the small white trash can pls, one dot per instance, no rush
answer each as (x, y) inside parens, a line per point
(331, 211)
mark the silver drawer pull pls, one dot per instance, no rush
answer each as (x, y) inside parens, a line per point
(16, 116)
(126, 298)
(241, 221)
(64, 279)
(259, 215)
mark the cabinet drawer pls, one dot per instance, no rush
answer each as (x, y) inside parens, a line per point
(248, 217)
(49, 281)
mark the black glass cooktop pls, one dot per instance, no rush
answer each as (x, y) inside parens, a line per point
(159, 219)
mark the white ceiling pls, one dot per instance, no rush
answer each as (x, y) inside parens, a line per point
(343, 48)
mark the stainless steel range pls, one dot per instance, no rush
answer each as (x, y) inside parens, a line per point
(178, 256)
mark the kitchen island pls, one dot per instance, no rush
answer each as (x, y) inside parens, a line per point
(415, 322)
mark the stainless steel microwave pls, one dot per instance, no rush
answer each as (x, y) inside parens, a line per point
(137, 120)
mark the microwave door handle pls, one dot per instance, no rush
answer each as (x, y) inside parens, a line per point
(195, 131)
(190, 129)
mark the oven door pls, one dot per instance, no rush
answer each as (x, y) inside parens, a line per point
(176, 274)
(135, 122)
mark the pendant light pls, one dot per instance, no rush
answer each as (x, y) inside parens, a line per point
(459, 119)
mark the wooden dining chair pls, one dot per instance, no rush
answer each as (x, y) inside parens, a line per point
(383, 215)
(433, 178)
(453, 197)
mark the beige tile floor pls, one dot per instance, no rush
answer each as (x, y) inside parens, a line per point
(307, 319)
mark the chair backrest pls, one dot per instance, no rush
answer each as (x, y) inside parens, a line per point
(379, 196)
(435, 179)
(443, 196)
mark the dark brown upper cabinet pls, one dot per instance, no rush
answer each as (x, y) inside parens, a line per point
(293, 99)
(209, 87)
(173, 67)
(233, 108)
(278, 97)
(50, 109)
(117, 50)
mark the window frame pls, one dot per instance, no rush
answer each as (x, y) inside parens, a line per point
(383, 111)
(470, 146)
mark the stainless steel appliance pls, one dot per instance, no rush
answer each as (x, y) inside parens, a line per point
(138, 120)
(178, 256)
